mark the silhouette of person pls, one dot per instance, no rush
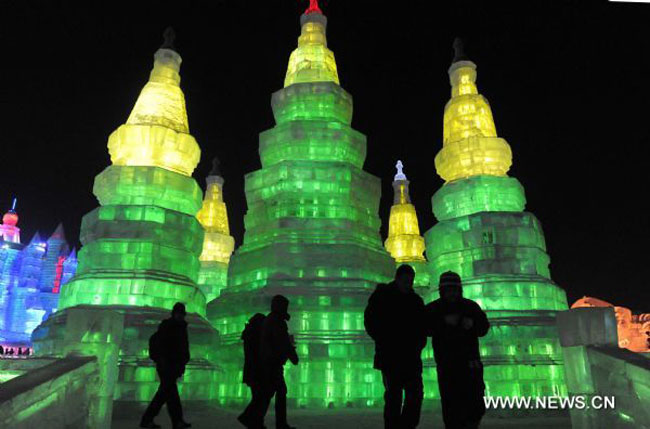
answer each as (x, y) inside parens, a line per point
(20, 351)
(27, 352)
(252, 376)
(2, 351)
(394, 319)
(455, 324)
(175, 353)
(276, 348)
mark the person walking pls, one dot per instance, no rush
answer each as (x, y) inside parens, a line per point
(252, 375)
(394, 319)
(276, 349)
(169, 348)
(455, 325)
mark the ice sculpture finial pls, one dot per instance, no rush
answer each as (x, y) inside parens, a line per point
(216, 169)
(400, 174)
(459, 51)
(10, 218)
(169, 36)
(8, 229)
(313, 7)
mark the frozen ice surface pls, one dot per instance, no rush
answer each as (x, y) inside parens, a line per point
(584, 326)
(339, 419)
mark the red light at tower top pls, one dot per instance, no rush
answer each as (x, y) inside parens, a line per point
(313, 7)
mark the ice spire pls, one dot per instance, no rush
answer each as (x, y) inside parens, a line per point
(470, 143)
(218, 244)
(404, 242)
(213, 216)
(157, 131)
(312, 61)
(59, 233)
(161, 101)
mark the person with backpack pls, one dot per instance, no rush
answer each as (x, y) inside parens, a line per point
(276, 348)
(169, 348)
(252, 375)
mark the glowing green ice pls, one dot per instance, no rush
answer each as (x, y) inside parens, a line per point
(312, 234)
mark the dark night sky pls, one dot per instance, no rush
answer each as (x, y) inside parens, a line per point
(567, 82)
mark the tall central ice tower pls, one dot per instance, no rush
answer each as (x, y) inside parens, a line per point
(498, 249)
(312, 234)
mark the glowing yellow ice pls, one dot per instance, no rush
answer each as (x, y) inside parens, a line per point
(218, 244)
(157, 132)
(404, 242)
(470, 143)
(312, 61)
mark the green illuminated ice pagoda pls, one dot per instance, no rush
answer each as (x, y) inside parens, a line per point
(141, 246)
(498, 249)
(312, 234)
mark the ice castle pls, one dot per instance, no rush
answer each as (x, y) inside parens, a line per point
(31, 276)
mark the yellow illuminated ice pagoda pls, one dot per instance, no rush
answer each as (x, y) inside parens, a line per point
(404, 242)
(218, 244)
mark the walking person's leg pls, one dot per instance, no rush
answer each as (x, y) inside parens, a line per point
(413, 396)
(392, 398)
(253, 415)
(265, 392)
(281, 405)
(157, 402)
(174, 407)
(475, 393)
(451, 387)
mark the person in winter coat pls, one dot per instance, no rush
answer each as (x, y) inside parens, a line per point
(394, 319)
(252, 376)
(174, 355)
(455, 325)
(275, 350)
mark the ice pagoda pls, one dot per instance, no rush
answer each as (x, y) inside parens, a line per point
(404, 242)
(484, 234)
(141, 249)
(312, 234)
(218, 244)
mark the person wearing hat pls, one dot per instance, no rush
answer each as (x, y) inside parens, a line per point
(455, 325)
(174, 355)
(394, 319)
